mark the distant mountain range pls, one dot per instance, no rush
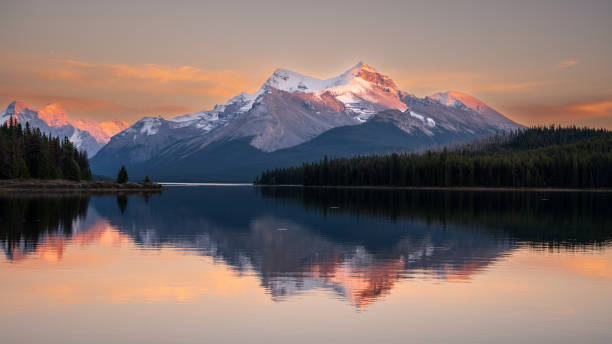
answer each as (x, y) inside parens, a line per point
(292, 119)
(52, 120)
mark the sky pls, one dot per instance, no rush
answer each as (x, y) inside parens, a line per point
(537, 61)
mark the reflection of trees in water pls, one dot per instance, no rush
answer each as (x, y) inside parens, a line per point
(541, 218)
(358, 243)
(25, 218)
(122, 202)
(359, 257)
(28, 218)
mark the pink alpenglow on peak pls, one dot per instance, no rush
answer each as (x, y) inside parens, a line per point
(101, 131)
(114, 126)
(457, 99)
(453, 98)
(54, 115)
(357, 89)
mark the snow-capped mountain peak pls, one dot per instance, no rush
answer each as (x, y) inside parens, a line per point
(54, 115)
(292, 82)
(52, 120)
(289, 81)
(457, 99)
(460, 100)
(17, 107)
(295, 110)
(367, 73)
(359, 92)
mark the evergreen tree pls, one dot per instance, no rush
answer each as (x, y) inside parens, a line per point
(28, 153)
(122, 176)
(73, 172)
(534, 157)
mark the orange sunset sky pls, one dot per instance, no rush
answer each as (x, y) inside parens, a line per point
(538, 62)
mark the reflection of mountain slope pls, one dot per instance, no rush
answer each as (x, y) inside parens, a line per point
(242, 229)
(51, 247)
(357, 243)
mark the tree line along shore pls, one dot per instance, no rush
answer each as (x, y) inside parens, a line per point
(536, 157)
(30, 159)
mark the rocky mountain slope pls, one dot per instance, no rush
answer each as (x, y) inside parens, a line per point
(294, 113)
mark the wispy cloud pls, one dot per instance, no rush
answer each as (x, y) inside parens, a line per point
(98, 109)
(147, 78)
(434, 81)
(567, 63)
(516, 86)
(591, 113)
(583, 109)
(117, 90)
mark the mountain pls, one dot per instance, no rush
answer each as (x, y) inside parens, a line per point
(295, 118)
(462, 100)
(53, 120)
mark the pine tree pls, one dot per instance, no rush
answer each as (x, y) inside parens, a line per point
(28, 153)
(73, 172)
(535, 157)
(122, 176)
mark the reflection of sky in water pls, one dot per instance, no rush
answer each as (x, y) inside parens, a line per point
(194, 254)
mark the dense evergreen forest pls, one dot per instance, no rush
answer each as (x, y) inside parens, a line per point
(28, 153)
(533, 157)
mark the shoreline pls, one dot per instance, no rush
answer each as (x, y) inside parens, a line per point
(85, 186)
(442, 188)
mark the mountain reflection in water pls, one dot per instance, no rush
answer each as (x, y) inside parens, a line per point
(356, 242)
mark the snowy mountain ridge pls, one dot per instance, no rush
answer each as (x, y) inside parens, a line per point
(294, 118)
(360, 90)
(52, 120)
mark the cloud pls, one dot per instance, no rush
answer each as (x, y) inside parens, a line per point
(428, 82)
(72, 104)
(96, 109)
(596, 113)
(142, 78)
(116, 90)
(567, 63)
(595, 108)
(516, 86)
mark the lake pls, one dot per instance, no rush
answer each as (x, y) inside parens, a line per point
(244, 264)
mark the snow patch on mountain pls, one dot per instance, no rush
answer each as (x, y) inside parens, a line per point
(458, 99)
(428, 121)
(76, 138)
(292, 82)
(291, 108)
(220, 115)
(361, 89)
(150, 126)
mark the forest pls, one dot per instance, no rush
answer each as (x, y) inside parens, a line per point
(550, 156)
(28, 153)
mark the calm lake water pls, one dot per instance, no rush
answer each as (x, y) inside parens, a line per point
(238, 264)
